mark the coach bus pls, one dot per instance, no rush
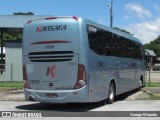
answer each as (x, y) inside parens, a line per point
(75, 60)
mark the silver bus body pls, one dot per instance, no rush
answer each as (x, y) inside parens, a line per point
(61, 66)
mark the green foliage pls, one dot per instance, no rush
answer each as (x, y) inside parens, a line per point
(23, 13)
(9, 36)
(11, 85)
(154, 45)
(153, 84)
(16, 35)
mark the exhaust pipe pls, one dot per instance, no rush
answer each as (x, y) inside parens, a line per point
(31, 98)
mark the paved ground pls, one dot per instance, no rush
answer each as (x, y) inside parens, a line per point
(137, 105)
(11, 95)
(142, 105)
(154, 76)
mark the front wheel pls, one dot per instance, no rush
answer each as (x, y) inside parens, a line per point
(111, 94)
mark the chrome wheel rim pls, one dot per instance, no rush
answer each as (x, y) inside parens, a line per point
(111, 96)
(140, 83)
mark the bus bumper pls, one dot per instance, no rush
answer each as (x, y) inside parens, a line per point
(66, 96)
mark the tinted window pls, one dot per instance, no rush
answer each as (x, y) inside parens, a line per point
(106, 43)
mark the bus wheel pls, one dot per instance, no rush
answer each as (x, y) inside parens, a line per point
(111, 94)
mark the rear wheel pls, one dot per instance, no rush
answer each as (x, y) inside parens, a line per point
(111, 94)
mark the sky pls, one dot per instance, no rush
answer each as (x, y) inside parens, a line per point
(139, 17)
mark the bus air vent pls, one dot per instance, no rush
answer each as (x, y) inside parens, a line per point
(51, 56)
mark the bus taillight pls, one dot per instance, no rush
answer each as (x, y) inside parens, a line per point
(81, 79)
(74, 17)
(26, 84)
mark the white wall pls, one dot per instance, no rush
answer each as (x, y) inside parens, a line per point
(13, 65)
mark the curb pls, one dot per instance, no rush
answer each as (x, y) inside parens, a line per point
(150, 93)
(147, 91)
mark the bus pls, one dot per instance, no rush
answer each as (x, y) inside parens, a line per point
(75, 60)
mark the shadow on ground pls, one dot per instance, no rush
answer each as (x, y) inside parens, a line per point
(71, 107)
(124, 96)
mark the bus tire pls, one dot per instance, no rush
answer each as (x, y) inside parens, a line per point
(111, 94)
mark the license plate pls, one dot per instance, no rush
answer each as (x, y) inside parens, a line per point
(52, 95)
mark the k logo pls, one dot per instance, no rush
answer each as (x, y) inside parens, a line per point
(50, 71)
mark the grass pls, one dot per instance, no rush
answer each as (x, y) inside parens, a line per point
(16, 85)
(153, 84)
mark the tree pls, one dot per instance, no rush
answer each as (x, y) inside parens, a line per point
(23, 13)
(9, 36)
(154, 45)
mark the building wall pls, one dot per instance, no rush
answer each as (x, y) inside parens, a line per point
(13, 63)
(14, 69)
